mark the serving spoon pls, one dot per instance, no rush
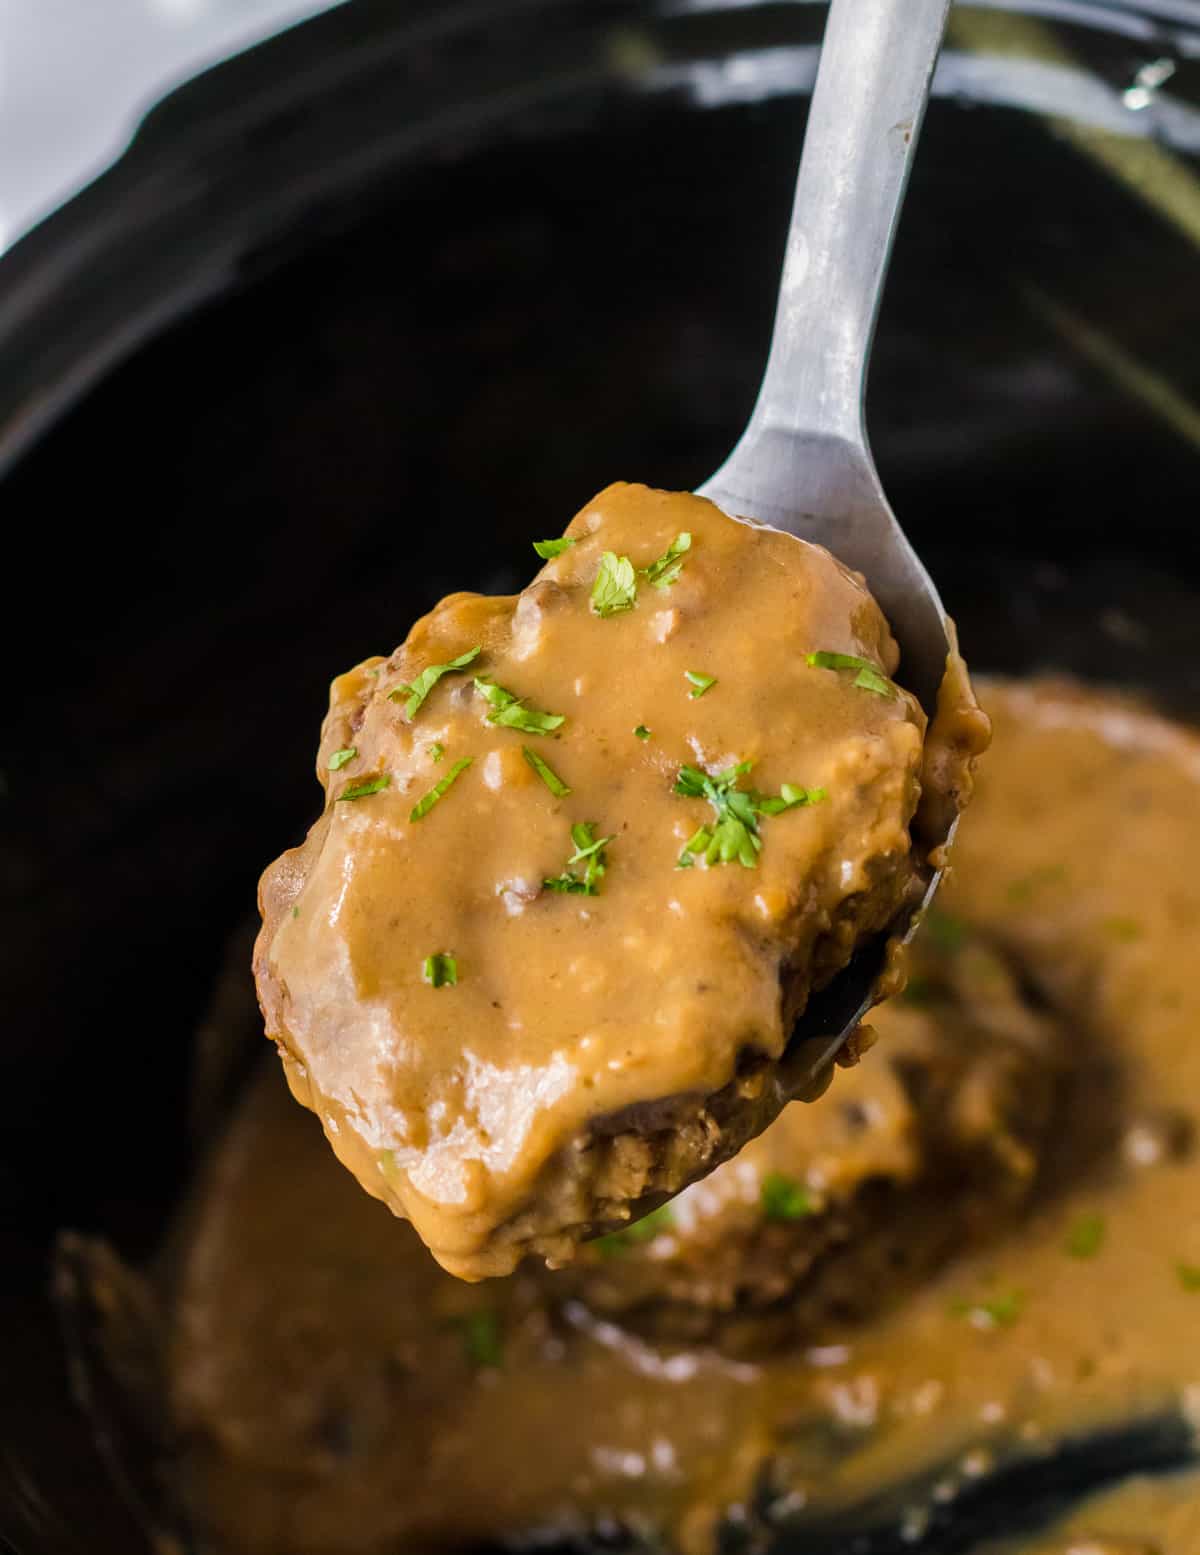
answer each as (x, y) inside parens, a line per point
(803, 463)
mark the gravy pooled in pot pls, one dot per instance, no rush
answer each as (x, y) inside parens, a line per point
(585, 854)
(982, 1245)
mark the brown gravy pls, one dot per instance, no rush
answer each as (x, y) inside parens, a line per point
(337, 1394)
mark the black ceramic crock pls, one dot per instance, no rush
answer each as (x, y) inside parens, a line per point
(362, 310)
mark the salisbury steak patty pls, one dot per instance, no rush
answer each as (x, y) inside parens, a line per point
(584, 855)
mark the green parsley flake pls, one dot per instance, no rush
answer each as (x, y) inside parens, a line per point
(642, 732)
(428, 678)
(735, 834)
(700, 683)
(361, 790)
(1189, 1276)
(549, 549)
(436, 751)
(616, 1243)
(783, 1198)
(339, 758)
(663, 572)
(424, 805)
(615, 588)
(1086, 1236)
(869, 677)
(440, 970)
(1123, 930)
(920, 990)
(945, 931)
(998, 1311)
(483, 1340)
(1024, 888)
(696, 844)
(791, 797)
(546, 772)
(589, 851)
(510, 712)
(295, 912)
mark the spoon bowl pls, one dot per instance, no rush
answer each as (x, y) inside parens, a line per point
(803, 463)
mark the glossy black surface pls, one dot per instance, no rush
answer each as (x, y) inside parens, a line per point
(460, 273)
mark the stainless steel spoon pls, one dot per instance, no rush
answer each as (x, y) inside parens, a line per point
(803, 463)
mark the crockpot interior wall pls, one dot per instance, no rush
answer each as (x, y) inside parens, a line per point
(276, 486)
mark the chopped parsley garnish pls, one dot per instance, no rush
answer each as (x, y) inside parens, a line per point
(295, 912)
(997, 1311)
(361, 790)
(1023, 889)
(642, 732)
(440, 970)
(548, 549)
(700, 683)
(783, 1198)
(589, 851)
(615, 588)
(637, 1235)
(791, 797)
(869, 678)
(339, 758)
(735, 833)
(1189, 1276)
(436, 751)
(510, 711)
(696, 843)
(945, 931)
(920, 990)
(425, 804)
(546, 772)
(1124, 930)
(1086, 1236)
(428, 678)
(483, 1341)
(663, 572)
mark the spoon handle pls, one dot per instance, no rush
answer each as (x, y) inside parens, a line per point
(872, 86)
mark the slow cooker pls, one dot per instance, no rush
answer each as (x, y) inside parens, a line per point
(373, 293)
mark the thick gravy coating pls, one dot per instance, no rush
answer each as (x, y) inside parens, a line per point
(335, 1393)
(584, 854)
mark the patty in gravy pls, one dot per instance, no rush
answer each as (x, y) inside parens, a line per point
(333, 1393)
(584, 856)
